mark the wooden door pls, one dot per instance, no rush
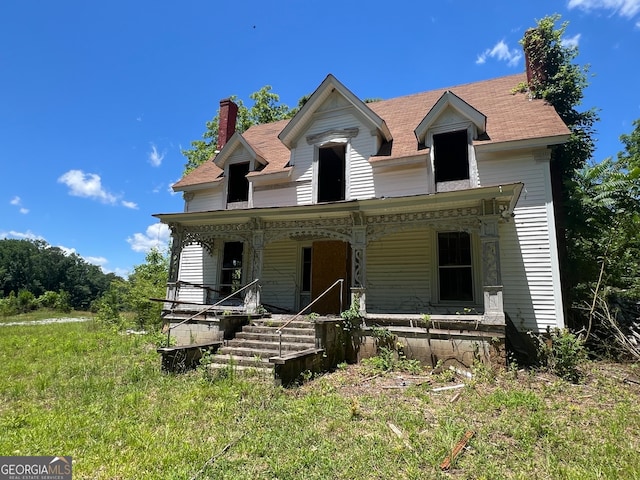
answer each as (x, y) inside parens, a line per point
(331, 260)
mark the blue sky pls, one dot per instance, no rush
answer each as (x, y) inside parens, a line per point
(97, 99)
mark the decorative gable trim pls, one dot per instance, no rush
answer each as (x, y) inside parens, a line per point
(290, 135)
(235, 142)
(450, 100)
(331, 136)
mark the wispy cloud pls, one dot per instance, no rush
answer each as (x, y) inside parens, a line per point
(572, 42)
(624, 8)
(28, 235)
(155, 157)
(99, 261)
(131, 205)
(501, 52)
(156, 235)
(86, 185)
(17, 201)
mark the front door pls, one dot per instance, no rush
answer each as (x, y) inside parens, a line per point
(330, 261)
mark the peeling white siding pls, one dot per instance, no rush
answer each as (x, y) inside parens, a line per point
(196, 266)
(530, 272)
(399, 273)
(205, 200)
(280, 274)
(399, 183)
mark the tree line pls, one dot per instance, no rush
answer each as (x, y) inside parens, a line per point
(33, 273)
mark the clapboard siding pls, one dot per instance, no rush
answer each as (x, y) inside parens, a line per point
(280, 284)
(398, 183)
(527, 270)
(191, 270)
(205, 200)
(398, 273)
(274, 196)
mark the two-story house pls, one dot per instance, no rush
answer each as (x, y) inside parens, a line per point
(436, 203)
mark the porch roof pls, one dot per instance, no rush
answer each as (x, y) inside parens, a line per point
(507, 195)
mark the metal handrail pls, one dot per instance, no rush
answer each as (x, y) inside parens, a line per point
(279, 330)
(209, 307)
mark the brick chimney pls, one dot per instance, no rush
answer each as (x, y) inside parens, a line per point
(227, 124)
(533, 59)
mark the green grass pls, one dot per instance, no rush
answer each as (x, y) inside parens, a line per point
(87, 391)
(44, 313)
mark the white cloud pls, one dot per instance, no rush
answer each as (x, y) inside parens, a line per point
(572, 42)
(98, 261)
(156, 235)
(87, 185)
(17, 201)
(624, 8)
(501, 52)
(155, 157)
(21, 235)
(131, 205)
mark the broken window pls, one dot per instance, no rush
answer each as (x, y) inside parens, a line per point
(331, 173)
(451, 156)
(238, 185)
(455, 273)
(231, 272)
(306, 270)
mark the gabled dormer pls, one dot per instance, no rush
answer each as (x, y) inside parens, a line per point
(448, 131)
(321, 136)
(237, 160)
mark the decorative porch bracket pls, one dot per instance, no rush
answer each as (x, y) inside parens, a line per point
(491, 278)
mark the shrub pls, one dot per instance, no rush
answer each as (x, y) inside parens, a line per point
(561, 352)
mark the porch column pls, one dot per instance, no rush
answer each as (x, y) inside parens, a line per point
(177, 236)
(359, 261)
(491, 277)
(252, 297)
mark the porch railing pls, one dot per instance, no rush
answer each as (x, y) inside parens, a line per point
(279, 330)
(208, 307)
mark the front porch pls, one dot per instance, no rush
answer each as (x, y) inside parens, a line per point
(401, 260)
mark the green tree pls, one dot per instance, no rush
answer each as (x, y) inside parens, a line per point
(266, 108)
(148, 280)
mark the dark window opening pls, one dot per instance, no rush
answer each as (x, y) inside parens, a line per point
(451, 156)
(238, 185)
(306, 269)
(331, 173)
(231, 272)
(455, 274)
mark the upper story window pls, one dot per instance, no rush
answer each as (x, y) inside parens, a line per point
(238, 185)
(331, 173)
(451, 156)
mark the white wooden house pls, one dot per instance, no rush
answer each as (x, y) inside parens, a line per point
(435, 203)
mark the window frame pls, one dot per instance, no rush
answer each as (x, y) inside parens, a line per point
(346, 144)
(476, 284)
(472, 181)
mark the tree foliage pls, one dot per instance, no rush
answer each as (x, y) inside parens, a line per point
(38, 268)
(148, 280)
(266, 108)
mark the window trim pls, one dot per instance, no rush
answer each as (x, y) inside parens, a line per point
(345, 142)
(472, 181)
(225, 193)
(476, 280)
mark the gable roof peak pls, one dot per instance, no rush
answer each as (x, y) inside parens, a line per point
(450, 100)
(296, 126)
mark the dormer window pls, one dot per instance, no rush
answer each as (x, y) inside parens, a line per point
(331, 173)
(238, 185)
(451, 156)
